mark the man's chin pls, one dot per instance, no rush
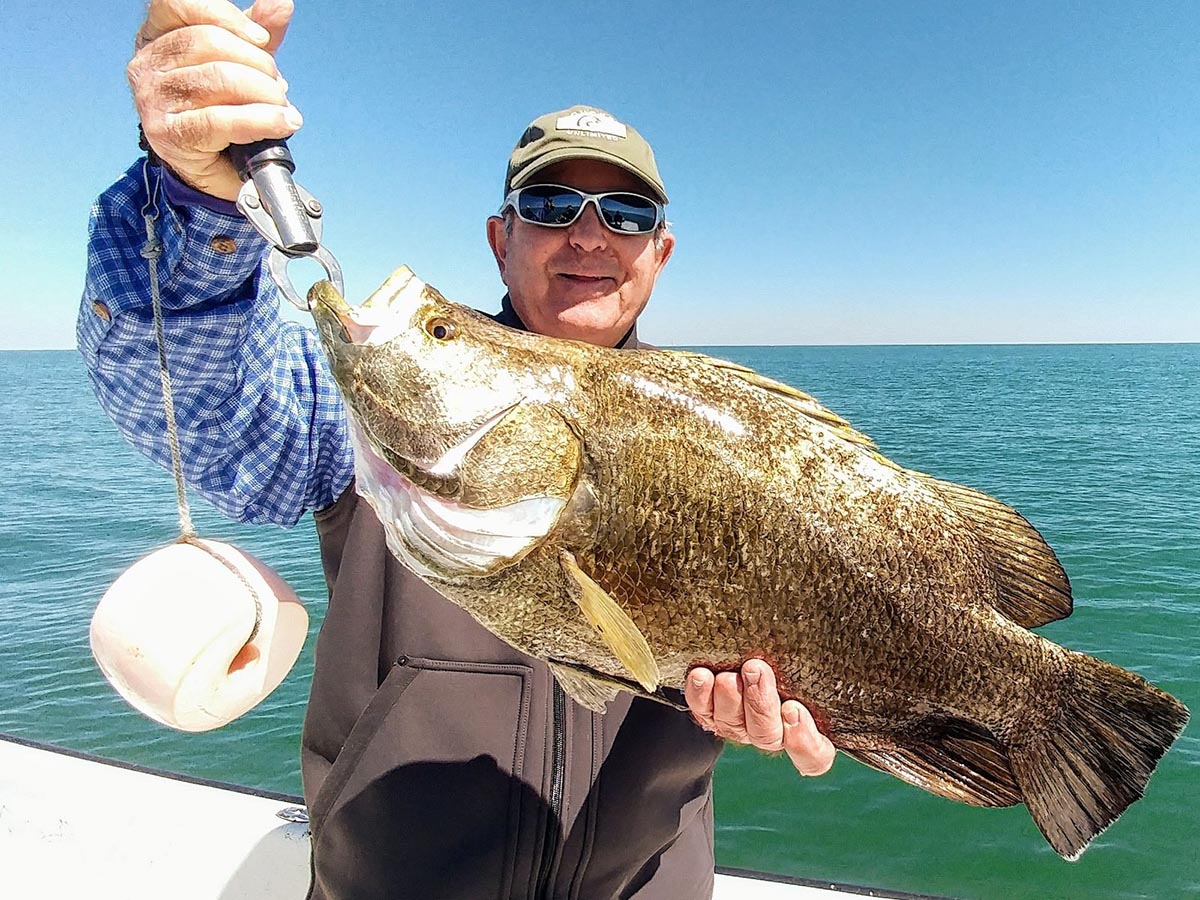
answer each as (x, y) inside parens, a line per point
(593, 323)
(595, 319)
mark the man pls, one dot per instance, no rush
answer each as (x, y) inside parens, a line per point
(437, 761)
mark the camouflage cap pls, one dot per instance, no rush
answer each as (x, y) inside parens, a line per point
(582, 132)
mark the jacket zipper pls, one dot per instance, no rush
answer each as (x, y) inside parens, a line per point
(558, 767)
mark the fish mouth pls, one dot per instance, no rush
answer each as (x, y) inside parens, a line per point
(331, 313)
(381, 317)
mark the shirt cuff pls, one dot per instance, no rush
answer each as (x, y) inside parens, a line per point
(182, 194)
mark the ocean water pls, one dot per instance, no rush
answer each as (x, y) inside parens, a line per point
(1099, 446)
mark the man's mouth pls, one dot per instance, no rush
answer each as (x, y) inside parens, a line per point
(581, 278)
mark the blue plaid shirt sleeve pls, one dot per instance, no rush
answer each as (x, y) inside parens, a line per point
(261, 425)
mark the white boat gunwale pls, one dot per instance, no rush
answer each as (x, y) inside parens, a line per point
(288, 829)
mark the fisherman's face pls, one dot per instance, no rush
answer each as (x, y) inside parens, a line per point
(581, 282)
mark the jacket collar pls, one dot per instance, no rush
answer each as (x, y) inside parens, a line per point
(508, 316)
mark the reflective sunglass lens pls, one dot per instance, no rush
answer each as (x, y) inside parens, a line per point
(546, 205)
(629, 213)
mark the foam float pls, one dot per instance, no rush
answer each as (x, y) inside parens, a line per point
(197, 633)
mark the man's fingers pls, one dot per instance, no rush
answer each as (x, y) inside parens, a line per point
(764, 727)
(809, 750)
(198, 44)
(744, 706)
(274, 16)
(214, 128)
(698, 691)
(167, 15)
(728, 711)
(219, 84)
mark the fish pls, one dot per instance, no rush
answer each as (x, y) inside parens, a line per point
(627, 515)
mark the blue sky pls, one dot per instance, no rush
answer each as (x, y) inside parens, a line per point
(839, 172)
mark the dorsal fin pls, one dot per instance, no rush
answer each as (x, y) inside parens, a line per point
(1034, 588)
(798, 400)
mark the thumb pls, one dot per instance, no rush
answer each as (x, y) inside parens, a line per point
(273, 15)
(811, 752)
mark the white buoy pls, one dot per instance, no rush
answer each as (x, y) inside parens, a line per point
(173, 633)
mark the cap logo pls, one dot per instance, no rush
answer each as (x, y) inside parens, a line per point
(591, 123)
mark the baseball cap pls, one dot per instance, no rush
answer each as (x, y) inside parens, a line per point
(582, 132)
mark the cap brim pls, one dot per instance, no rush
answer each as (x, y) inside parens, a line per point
(565, 153)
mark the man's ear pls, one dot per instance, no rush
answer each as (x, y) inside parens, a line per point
(497, 236)
(664, 253)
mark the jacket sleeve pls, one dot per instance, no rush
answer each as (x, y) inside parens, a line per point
(262, 428)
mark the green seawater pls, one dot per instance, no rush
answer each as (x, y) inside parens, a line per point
(1099, 446)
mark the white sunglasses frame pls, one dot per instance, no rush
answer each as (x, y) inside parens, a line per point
(510, 202)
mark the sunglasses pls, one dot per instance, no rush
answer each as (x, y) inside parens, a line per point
(557, 206)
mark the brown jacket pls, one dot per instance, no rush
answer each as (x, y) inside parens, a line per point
(439, 762)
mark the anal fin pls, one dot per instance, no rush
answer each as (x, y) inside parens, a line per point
(951, 758)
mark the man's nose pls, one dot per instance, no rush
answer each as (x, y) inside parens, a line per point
(588, 232)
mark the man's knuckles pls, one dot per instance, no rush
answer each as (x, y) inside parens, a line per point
(190, 131)
(164, 16)
(762, 702)
(197, 44)
(219, 84)
(183, 47)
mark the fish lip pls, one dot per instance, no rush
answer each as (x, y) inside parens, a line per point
(329, 321)
(333, 329)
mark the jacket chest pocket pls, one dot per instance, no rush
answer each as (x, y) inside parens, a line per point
(424, 798)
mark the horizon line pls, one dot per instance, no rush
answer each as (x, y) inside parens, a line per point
(1048, 343)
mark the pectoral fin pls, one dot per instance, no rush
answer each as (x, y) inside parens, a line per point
(623, 637)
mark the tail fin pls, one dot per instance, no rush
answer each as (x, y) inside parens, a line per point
(1079, 776)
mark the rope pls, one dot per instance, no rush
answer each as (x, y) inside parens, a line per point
(152, 252)
(196, 542)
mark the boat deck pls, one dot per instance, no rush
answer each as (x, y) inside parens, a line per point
(74, 825)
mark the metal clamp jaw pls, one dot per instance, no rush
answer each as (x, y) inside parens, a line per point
(283, 212)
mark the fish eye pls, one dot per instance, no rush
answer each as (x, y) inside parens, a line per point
(440, 329)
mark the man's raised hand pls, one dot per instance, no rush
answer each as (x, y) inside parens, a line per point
(203, 77)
